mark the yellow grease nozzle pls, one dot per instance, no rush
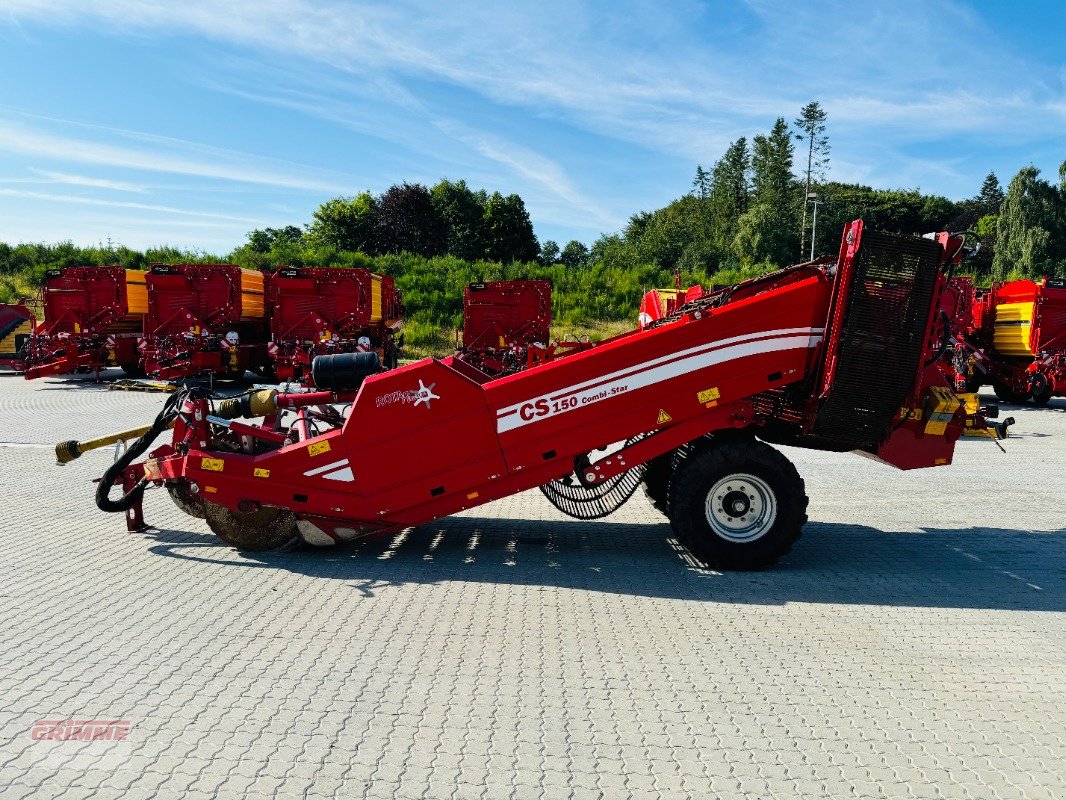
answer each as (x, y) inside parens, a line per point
(69, 450)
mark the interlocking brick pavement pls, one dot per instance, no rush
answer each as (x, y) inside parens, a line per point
(911, 646)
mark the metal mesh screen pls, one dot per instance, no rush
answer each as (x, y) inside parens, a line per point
(881, 337)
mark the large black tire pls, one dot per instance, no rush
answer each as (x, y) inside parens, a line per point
(1040, 389)
(749, 480)
(657, 481)
(1007, 394)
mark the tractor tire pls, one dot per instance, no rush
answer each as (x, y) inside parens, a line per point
(132, 370)
(1007, 394)
(657, 481)
(266, 529)
(1040, 389)
(737, 504)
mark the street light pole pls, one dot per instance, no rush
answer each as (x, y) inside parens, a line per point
(812, 197)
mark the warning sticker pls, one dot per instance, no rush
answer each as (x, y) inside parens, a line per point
(708, 395)
(212, 464)
(259, 472)
(663, 417)
(317, 448)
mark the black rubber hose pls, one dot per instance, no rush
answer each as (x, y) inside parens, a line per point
(135, 450)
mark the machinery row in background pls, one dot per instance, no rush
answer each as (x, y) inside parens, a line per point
(178, 321)
(1011, 336)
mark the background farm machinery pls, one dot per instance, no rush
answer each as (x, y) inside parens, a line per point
(329, 311)
(16, 327)
(93, 318)
(507, 327)
(831, 356)
(1014, 338)
(179, 321)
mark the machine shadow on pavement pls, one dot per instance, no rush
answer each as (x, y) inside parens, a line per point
(978, 568)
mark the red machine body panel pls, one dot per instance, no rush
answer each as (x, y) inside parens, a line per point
(319, 311)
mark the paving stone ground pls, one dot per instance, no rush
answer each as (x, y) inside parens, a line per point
(911, 646)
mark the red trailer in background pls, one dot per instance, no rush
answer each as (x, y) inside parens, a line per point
(506, 324)
(92, 320)
(16, 326)
(1016, 340)
(204, 319)
(324, 310)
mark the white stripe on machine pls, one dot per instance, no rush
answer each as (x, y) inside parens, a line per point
(658, 370)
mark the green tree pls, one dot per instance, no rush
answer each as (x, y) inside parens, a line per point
(701, 184)
(549, 253)
(1030, 218)
(766, 232)
(575, 254)
(345, 224)
(408, 221)
(463, 211)
(510, 232)
(811, 125)
(729, 192)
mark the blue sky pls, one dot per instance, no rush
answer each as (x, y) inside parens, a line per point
(190, 123)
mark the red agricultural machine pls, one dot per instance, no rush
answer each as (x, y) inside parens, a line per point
(327, 311)
(204, 319)
(507, 327)
(92, 320)
(831, 357)
(1016, 340)
(16, 327)
(659, 303)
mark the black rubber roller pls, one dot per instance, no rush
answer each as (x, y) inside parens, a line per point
(344, 372)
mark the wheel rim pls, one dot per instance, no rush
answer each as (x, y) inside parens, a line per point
(741, 508)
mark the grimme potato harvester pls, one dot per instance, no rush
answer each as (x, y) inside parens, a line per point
(93, 319)
(204, 318)
(1015, 339)
(316, 311)
(834, 355)
(507, 327)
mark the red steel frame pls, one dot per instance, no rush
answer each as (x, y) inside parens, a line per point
(438, 436)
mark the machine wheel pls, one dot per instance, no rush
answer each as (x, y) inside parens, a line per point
(738, 504)
(132, 370)
(268, 528)
(1040, 389)
(1007, 394)
(657, 481)
(190, 503)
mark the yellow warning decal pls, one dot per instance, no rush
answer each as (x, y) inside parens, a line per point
(259, 472)
(663, 417)
(212, 464)
(708, 396)
(317, 448)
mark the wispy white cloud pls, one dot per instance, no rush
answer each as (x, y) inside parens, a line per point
(83, 180)
(95, 201)
(168, 155)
